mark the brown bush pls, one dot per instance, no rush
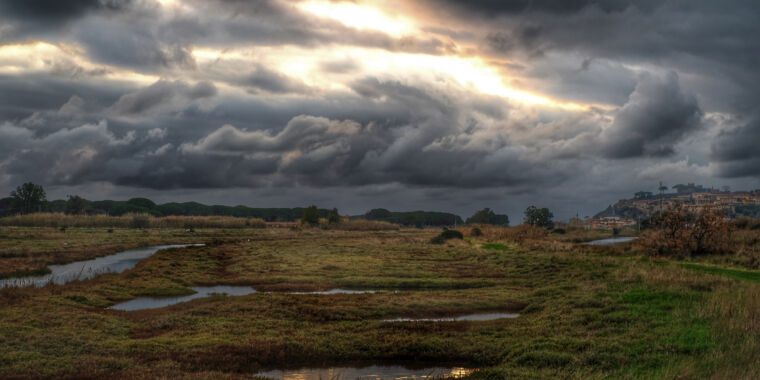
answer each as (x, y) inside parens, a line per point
(680, 232)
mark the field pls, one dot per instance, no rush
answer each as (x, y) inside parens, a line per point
(585, 312)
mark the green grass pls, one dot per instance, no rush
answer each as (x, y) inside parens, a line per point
(739, 274)
(495, 246)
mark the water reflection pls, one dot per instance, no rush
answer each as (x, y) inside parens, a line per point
(337, 291)
(375, 372)
(613, 241)
(143, 303)
(87, 269)
(470, 317)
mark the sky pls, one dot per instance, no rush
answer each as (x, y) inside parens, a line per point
(446, 105)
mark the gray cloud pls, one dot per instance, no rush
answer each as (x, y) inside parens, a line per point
(656, 117)
(34, 18)
(493, 8)
(271, 81)
(736, 151)
(162, 93)
(394, 139)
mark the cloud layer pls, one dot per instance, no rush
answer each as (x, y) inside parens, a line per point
(571, 104)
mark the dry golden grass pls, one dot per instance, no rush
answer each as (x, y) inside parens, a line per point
(129, 221)
(362, 225)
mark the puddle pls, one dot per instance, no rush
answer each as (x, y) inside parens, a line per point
(368, 373)
(613, 241)
(336, 291)
(143, 303)
(87, 269)
(469, 317)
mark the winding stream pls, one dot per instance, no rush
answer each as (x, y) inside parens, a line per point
(87, 269)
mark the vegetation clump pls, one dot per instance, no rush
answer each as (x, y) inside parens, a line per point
(683, 233)
(28, 198)
(333, 217)
(447, 235)
(487, 216)
(539, 217)
(414, 218)
(310, 216)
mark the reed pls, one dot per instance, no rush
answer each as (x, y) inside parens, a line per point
(362, 225)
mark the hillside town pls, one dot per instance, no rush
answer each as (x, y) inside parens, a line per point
(628, 212)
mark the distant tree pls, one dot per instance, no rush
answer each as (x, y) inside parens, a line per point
(539, 217)
(76, 205)
(333, 217)
(487, 216)
(142, 202)
(378, 214)
(310, 216)
(28, 198)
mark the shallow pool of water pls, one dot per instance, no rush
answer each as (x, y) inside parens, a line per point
(143, 303)
(469, 317)
(376, 372)
(613, 241)
(87, 269)
(336, 291)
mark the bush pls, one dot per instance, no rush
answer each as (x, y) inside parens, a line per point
(476, 231)
(679, 232)
(333, 217)
(446, 235)
(310, 216)
(487, 216)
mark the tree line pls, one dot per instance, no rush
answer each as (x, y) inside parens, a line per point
(30, 198)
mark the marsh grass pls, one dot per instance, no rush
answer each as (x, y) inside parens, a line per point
(585, 313)
(60, 220)
(361, 225)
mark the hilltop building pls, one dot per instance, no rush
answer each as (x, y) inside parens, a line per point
(693, 197)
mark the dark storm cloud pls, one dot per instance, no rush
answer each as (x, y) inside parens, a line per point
(32, 18)
(70, 123)
(427, 144)
(737, 151)
(268, 80)
(656, 117)
(130, 41)
(161, 93)
(56, 10)
(708, 43)
(493, 8)
(419, 137)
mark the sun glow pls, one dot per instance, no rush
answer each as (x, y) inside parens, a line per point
(67, 60)
(361, 17)
(465, 73)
